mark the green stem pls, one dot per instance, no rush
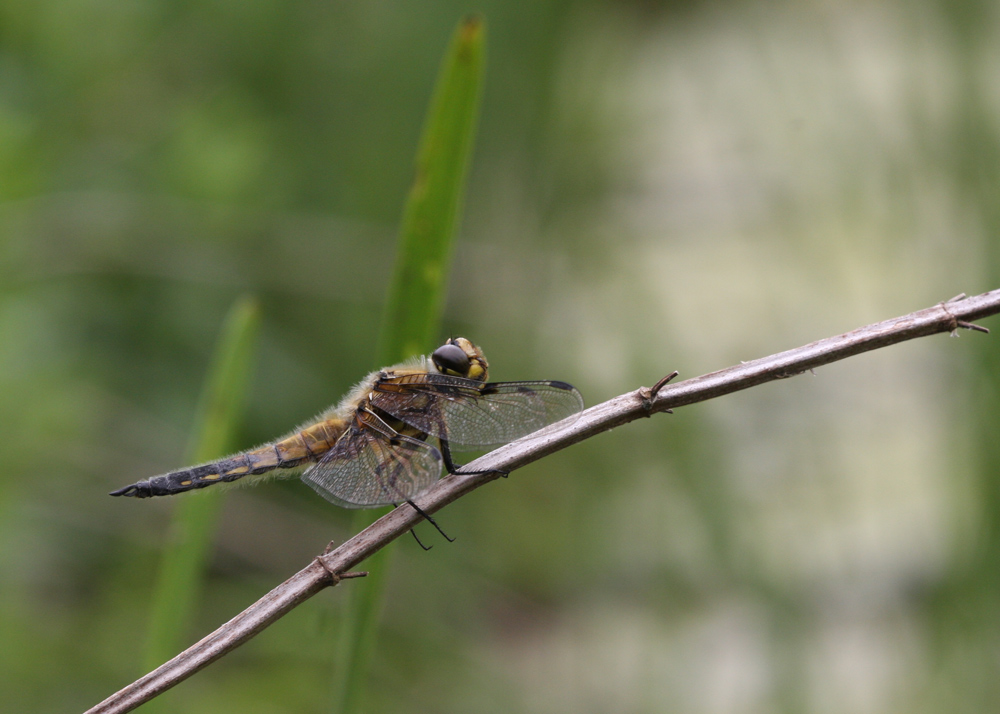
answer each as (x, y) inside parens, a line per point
(415, 303)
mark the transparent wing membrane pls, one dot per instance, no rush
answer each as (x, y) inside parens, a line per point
(372, 465)
(466, 412)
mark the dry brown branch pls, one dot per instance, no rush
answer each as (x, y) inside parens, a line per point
(949, 316)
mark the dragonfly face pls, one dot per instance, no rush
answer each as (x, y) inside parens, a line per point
(372, 449)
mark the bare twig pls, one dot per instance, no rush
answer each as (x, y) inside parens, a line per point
(328, 569)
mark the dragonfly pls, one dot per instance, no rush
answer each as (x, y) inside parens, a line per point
(373, 448)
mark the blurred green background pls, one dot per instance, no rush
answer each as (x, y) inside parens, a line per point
(655, 186)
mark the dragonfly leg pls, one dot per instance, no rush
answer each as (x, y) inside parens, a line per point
(454, 468)
(419, 542)
(427, 517)
(413, 531)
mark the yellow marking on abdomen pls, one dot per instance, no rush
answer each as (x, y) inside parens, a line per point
(307, 445)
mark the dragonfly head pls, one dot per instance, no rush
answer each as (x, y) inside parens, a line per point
(460, 358)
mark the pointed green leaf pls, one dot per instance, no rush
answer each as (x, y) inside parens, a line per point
(413, 311)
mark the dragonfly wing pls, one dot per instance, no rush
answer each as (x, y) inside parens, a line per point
(466, 412)
(371, 465)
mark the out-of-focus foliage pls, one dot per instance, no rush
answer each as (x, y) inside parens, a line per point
(655, 186)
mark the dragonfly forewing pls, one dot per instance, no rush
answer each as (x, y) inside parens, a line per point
(470, 413)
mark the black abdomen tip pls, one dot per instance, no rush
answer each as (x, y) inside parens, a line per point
(137, 490)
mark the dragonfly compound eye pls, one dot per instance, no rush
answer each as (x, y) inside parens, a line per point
(451, 359)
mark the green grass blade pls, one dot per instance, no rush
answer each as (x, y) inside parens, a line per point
(419, 284)
(412, 316)
(220, 408)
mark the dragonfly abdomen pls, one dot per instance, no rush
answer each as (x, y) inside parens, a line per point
(229, 469)
(304, 446)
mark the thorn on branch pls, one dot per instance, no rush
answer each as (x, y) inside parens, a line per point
(649, 394)
(954, 323)
(972, 326)
(354, 574)
(333, 576)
